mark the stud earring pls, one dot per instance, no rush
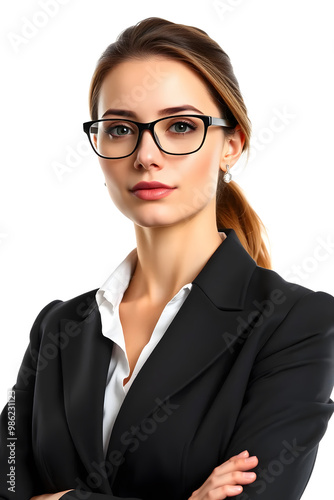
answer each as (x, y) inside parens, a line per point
(227, 176)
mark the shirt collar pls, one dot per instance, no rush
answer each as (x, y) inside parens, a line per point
(114, 287)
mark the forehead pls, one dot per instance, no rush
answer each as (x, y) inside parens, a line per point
(146, 85)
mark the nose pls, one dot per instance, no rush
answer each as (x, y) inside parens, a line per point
(148, 153)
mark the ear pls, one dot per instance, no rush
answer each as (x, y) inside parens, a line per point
(232, 148)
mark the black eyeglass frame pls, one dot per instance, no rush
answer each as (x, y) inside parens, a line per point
(207, 120)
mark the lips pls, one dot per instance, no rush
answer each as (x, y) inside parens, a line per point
(150, 185)
(150, 191)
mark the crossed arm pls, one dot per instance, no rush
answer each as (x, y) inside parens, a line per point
(224, 481)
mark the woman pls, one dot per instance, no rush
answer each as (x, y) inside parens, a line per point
(195, 371)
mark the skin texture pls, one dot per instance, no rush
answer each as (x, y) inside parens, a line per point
(175, 235)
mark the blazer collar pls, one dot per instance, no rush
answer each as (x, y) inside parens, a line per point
(226, 275)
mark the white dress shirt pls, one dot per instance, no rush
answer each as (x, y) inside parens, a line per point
(108, 298)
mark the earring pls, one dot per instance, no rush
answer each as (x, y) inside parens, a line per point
(227, 176)
(105, 184)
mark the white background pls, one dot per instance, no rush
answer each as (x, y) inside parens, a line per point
(61, 236)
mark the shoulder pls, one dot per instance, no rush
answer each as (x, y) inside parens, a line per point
(75, 309)
(267, 283)
(297, 312)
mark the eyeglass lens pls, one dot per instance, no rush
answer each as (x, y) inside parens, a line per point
(179, 135)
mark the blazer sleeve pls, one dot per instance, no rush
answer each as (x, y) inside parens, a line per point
(287, 404)
(18, 476)
(26, 482)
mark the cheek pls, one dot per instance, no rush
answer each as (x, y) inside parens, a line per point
(115, 178)
(203, 172)
(114, 173)
(106, 167)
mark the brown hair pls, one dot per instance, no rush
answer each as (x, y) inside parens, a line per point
(192, 46)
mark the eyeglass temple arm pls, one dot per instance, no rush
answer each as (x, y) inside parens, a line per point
(220, 121)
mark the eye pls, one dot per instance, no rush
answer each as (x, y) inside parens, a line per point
(181, 127)
(118, 130)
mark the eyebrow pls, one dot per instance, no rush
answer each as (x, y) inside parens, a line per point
(162, 112)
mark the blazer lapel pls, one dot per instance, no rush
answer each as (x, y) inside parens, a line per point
(85, 363)
(192, 341)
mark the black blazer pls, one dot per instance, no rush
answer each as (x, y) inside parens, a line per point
(247, 363)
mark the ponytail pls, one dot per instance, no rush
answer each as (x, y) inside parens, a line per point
(234, 211)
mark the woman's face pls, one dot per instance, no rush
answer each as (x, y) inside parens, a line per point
(145, 87)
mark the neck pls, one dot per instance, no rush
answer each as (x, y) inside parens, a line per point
(171, 256)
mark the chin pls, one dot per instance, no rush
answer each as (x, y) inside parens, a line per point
(154, 221)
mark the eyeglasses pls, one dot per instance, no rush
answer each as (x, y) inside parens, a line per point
(114, 138)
